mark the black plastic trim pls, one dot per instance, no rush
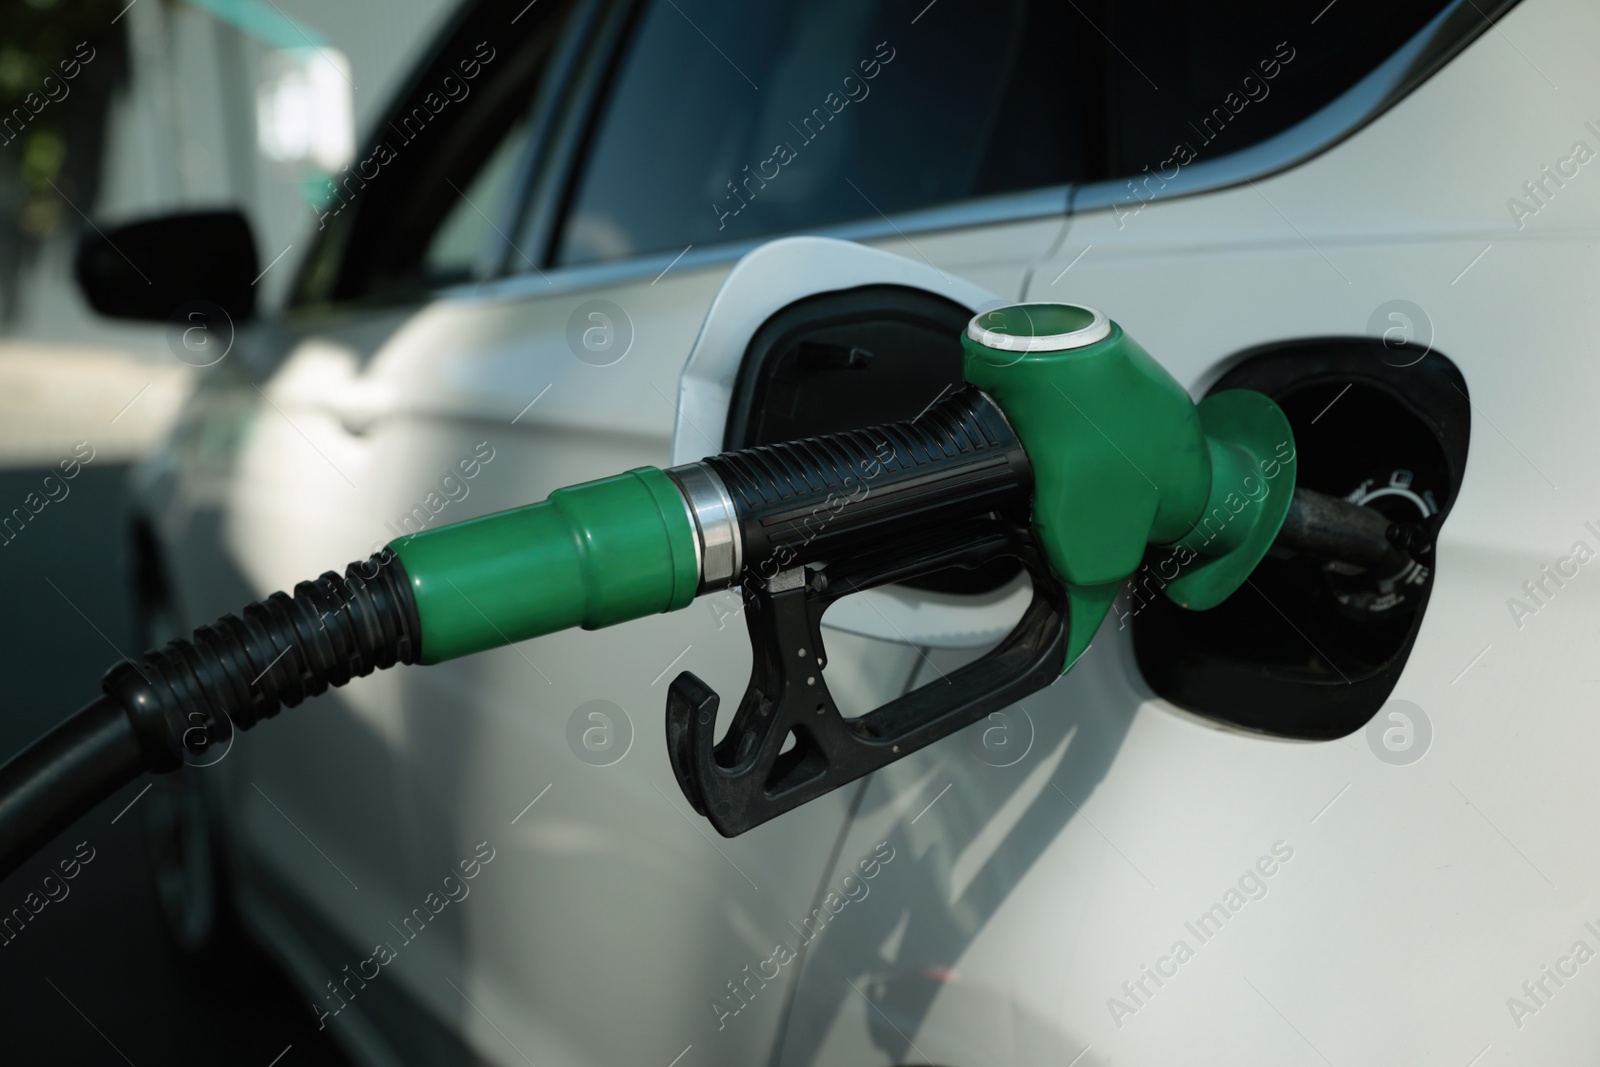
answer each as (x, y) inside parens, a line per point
(1278, 657)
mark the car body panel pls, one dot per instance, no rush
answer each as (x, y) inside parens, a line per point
(1418, 899)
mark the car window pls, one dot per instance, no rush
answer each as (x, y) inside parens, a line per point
(432, 185)
(475, 216)
(729, 120)
(1196, 80)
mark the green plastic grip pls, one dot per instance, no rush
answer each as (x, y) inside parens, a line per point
(1123, 460)
(588, 555)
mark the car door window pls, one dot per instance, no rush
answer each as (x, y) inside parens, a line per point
(457, 246)
(730, 121)
(435, 182)
(1194, 80)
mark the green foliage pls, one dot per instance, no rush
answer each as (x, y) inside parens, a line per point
(41, 33)
(38, 37)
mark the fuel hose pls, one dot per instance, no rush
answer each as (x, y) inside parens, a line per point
(769, 519)
(589, 556)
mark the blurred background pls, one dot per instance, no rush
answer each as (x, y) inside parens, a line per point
(133, 109)
(172, 104)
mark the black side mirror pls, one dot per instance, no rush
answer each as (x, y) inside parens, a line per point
(150, 269)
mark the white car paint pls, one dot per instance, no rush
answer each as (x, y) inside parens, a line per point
(1405, 904)
(1418, 899)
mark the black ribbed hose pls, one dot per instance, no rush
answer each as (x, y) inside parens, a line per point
(828, 497)
(181, 700)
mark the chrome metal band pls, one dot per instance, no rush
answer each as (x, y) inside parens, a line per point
(716, 525)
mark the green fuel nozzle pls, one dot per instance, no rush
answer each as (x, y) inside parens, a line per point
(1069, 450)
(1125, 460)
(1064, 407)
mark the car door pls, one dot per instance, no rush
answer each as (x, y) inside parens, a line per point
(418, 389)
(493, 312)
(1147, 862)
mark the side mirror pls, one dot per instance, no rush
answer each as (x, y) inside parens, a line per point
(149, 270)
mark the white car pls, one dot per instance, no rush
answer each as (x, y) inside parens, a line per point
(1330, 821)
